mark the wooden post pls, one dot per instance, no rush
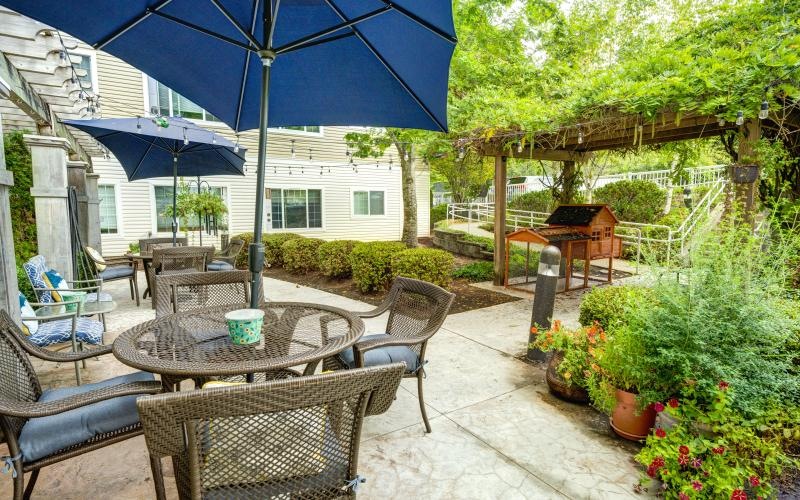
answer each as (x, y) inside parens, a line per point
(499, 219)
(8, 271)
(745, 193)
(568, 176)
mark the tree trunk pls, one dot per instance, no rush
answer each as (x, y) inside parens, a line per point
(569, 176)
(407, 162)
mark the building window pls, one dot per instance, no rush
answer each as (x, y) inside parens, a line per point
(108, 209)
(368, 203)
(163, 195)
(296, 208)
(83, 69)
(312, 129)
(166, 102)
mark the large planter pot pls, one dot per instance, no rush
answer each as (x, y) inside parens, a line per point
(561, 387)
(626, 422)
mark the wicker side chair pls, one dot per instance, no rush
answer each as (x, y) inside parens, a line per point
(291, 438)
(416, 310)
(42, 428)
(145, 245)
(226, 260)
(108, 269)
(186, 292)
(177, 260)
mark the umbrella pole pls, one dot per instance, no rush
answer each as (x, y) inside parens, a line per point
(174, 199)
(256, 249)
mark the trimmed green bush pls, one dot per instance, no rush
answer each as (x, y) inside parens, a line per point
(438, 213)
(535, 201)
(273, 248)
(426, 264)
(372, 263)
(475, 271)
(633, 201)
(300, 254)
(243, 258)
(607, 304)
(333, 258)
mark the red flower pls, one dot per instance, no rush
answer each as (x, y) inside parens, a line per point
(683, 459)
(673, 403)
(724, 386)
(754, 481)
(683, 449)
(651, 471)
(658, 462)
(697, 485)
(658, 406)
(683, 496)
(738, 495)
(697, 463)
(661, 433)
(718, 451)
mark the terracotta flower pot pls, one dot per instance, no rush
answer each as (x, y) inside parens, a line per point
(561, 387)
(626, 422)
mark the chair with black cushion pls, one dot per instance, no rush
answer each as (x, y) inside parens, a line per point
(226, 260)
(108, 269)
(42, 428)
(416, 310)
(291, 438)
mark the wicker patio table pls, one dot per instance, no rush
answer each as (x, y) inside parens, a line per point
(195, 344)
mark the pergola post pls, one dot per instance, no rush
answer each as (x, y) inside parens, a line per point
(568, 176)
(49, 165)
(500, 163)
(93, 238)
(8, 269)
(746, 173)
(76, 177)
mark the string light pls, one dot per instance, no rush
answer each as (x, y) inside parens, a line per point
(519, 147)
(310, 155)
(721, 121)
(213, 138)
(236, 146)
(461, 153)
(580, 136)
(320, 170)
(138, 126)
(391, 161)
(293, 155)
(763, 113)
(185, 139)
(740, 118)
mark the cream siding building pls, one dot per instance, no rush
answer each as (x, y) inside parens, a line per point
(314, 190)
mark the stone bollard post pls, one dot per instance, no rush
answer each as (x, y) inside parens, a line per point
(544, 298)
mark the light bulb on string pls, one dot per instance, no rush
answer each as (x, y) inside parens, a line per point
(236, 146)
(763, 113)
(293, 153)
(519, 147)
(320, 170)
(580, 136)
(185, 139)
(213, 138)
(721, 121)
(461, 153)
(391, 161)
(138, 127)
(310, 155)
(740, 118)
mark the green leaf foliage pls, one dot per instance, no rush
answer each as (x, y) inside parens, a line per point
(300, 254)
(426, 264)
(633, 200)
(372, 263)
(475, 271)
(333, 258)
(607, 305)
(273, 247)
(534, 201)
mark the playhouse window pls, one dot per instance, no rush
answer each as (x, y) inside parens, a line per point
(607, 232)
(596, 235)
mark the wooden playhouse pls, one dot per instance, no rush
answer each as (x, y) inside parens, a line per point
(583, 232)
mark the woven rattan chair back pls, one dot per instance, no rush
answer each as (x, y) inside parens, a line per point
(145, 245)
(167, 260)
(233, 249)
(416, 306)
(186, 292)
(18, 380)
(289, 438)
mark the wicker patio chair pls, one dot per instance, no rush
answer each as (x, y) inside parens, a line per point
(146, 244)
(42, 428)
(226, 260)
(416, 311)
(177, 260)
(185, 292)
(292, 438)
(47, 283)
(108, 269)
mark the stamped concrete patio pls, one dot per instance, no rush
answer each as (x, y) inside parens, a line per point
(497, 432)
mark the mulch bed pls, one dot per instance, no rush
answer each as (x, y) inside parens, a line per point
(467, 297)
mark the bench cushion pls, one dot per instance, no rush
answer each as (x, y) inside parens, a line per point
(116, 272)
(87, 330)
(382, 355)
(218, 265)
(41, 437)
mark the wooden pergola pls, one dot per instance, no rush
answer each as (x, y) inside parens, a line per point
(575, 143)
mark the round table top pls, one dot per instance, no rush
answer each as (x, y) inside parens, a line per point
(196, 343)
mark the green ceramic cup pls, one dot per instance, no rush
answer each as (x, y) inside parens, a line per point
(244, 325)
(71, 296)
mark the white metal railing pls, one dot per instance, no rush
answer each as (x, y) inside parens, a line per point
(633, 233)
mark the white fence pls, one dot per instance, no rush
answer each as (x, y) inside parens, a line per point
(698, 176)
(635, 234)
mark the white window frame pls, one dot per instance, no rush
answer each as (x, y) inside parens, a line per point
(92, 55)
(117, 205)
(353, 213)
(304, 187)
(147, 112)
(287, 131)
(168, 183)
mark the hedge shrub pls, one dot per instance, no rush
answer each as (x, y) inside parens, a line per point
(243, 258)
(475, 271)
(273, 248)
(300, 254)
(633, 200)
(438, 213)
(426, 264)
(607, 304)
(535, 201)
(372, 263)
(333, 258)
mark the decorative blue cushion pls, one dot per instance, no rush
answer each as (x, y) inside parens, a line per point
(218, 265)
(88, 331)
(44, 436)
(35, 269)
(26, 310)
(383, 355)
(116, 272)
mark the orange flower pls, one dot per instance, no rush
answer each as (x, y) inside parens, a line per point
(602, 336)
(534, 330)
(595, 367)
(557, 325)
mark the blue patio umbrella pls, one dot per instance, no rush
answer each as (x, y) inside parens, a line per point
(279, 62)
(165, 147)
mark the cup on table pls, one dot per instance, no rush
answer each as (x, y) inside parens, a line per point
(75, 297)
(244, 325)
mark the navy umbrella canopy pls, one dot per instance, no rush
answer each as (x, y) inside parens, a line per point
(255, 63)
(165, 147)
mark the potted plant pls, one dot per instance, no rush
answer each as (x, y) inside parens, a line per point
(572, 360)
